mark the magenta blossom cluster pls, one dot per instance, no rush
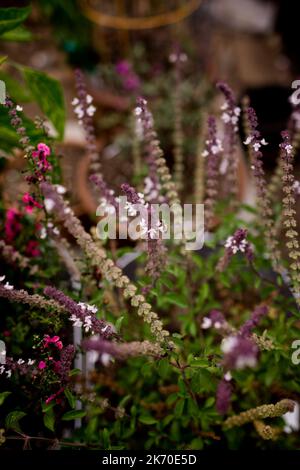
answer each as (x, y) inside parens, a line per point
(54, 340)
(129, 78)
(40, 158)
(12, 226)
(30, 203)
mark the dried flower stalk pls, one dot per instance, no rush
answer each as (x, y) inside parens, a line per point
(260, 412)
(99, 259)
(265, 431)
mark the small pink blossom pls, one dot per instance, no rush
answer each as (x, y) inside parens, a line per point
(30, 203)
(54, 340)
(44, 148)
(42, 365)
(12, 225)
(32, 249)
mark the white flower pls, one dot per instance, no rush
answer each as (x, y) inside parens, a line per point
(19, 108)
(20, 361)
(76, 321)
(43, 233)
(75, 101)
(204, 153)
(237, 111)
(217, 325)
(87, 323)
(248, 140)
(228, 376)
(91, 110)
(30, 362)
(245, 361)
(206, 323)
(79, 111)
(288, 149)
(141, 196)
(105, 359)
(263, 142)
(252, 167)
(228, 344)
(256, 146)
(162, 227)
(67, 210)
(8, 373)
(225, 117)
(56, 231)
(8, 286)
(214, 149)
(138, 111)
(60, 189)
(234, 119)
(131, 210)
(296, 187)
(172, 58)
(152, 232)
(49, 204)
(2, 369)
(224, 106)
(229, 242)
(89, 99)
(92, 308)
(2, 278)
(143, 227)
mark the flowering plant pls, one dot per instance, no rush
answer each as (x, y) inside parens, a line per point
(114, 345)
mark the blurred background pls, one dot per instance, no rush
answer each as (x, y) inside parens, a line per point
(128, 48)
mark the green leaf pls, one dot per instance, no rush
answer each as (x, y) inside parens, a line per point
(49, 95)
(18, 34)
(74, 372)
(175, 299)
(105, 437)
(15, 88)
(147, 420)
(3, 396)
(164, 368)
(3, 58)
(178, 410)
(119, 323)
(70, 397)
(75, 414)
(10, 18)
(12, 420)
(209, 402)
(49, 419)
(47, 406)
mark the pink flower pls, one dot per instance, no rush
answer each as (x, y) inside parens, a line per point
(123, 67)
(12, 224)
(50, 398)
(54, 340)
(42, 365)
(44, 148)
(40, 156)
(30, 203)
(32, 249)
(55, 395)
